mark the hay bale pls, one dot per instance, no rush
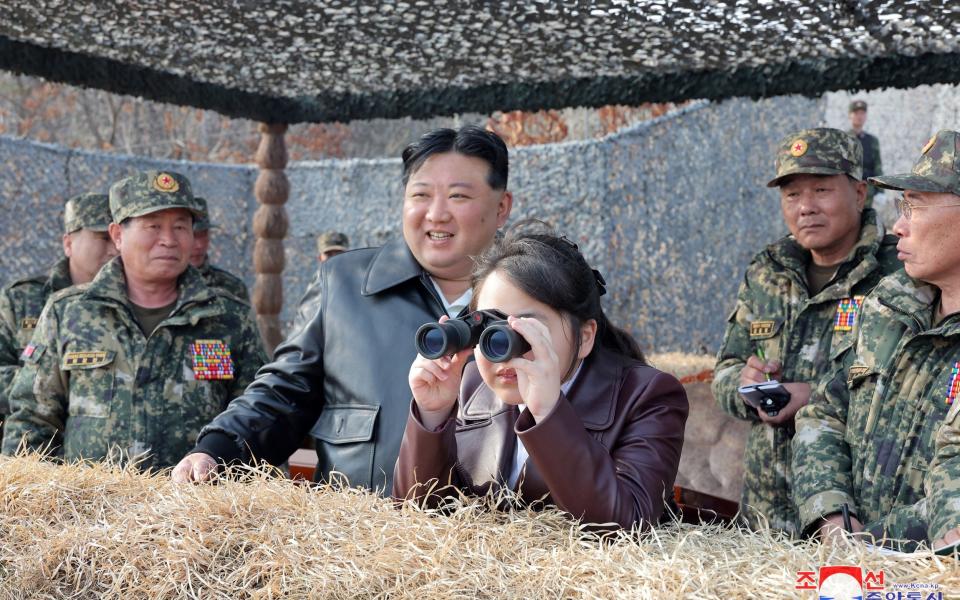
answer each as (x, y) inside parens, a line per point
(103, 532)
(713, 444)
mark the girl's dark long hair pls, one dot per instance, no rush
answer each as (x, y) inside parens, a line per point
(551, 269)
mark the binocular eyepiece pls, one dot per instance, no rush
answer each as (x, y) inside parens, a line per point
(487, 328)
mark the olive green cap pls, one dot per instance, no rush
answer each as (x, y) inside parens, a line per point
(86, 211)
(937, 169)
(820, 151)
(148, 192)
(332, 240)
(201, 222)
(857, 105)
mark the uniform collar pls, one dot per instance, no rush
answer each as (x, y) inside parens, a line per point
(913, 301)
(59, 276)
(392, 265)
(861, 260)
(111, 284)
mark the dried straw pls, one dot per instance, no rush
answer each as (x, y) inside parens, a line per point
(101, 531)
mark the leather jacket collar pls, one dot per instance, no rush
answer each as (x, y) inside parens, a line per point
(394, 264)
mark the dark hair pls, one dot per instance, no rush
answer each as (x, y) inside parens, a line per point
(551, 269)
(469, 141)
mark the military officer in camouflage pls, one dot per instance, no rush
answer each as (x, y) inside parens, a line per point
(134, 363)
(86, 248)
(213, 276)
(795, 303)
(872, 164)
(330, 244)
(867, 439)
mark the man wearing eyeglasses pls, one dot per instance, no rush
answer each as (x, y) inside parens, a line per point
(866, 442)
(798, 300)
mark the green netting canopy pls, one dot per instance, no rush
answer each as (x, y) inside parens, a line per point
(291, 61)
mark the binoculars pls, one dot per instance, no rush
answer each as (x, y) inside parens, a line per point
(485, 328)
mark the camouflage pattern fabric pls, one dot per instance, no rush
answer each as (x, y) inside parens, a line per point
(937, 169)
(943, 481)
(332, 240)
(20, 306)
(775, 312)
(867, 437)
(201, 221)
(94, 385)
(216, 277)
(86, 211)
(820, 151)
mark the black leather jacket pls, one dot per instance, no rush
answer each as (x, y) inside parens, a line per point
(342, 376)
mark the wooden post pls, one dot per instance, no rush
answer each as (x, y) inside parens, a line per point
(270, 227)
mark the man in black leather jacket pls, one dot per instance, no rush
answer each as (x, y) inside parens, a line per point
(342, 374)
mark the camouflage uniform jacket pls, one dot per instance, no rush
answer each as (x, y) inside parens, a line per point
(867, 437)
(20, 306)
(775, 312)
(218, 278)
(94, 384)
(943, 481)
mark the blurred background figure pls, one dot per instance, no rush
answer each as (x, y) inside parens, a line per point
(330, 244)
(212, 276)
(872, 166)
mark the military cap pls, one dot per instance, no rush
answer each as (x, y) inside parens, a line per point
(201, 222)
(857, 105)
(332, 240)
(821, 151)
(86, 211)
(148, 192)
(937, 169)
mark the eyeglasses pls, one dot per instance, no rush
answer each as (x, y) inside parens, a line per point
(905, 208)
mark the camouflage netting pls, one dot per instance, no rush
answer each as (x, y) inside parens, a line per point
(650, 207)
(671, 211)
(293, 60)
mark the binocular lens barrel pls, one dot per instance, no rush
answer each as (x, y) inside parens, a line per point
(499, 343)
(435, 340)
(432, 342)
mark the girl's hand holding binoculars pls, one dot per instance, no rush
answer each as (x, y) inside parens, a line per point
(436, 384)
(538, 378)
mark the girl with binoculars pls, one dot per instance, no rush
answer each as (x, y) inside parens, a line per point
(578, 420)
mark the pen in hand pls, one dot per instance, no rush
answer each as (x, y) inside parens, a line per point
(846, 517)
(763, 357)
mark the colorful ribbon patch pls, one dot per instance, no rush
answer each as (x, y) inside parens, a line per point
(211, 360)
(953, 388)
(846, 316)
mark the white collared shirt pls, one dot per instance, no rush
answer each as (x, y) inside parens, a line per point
(453, 308)
(520, 454)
